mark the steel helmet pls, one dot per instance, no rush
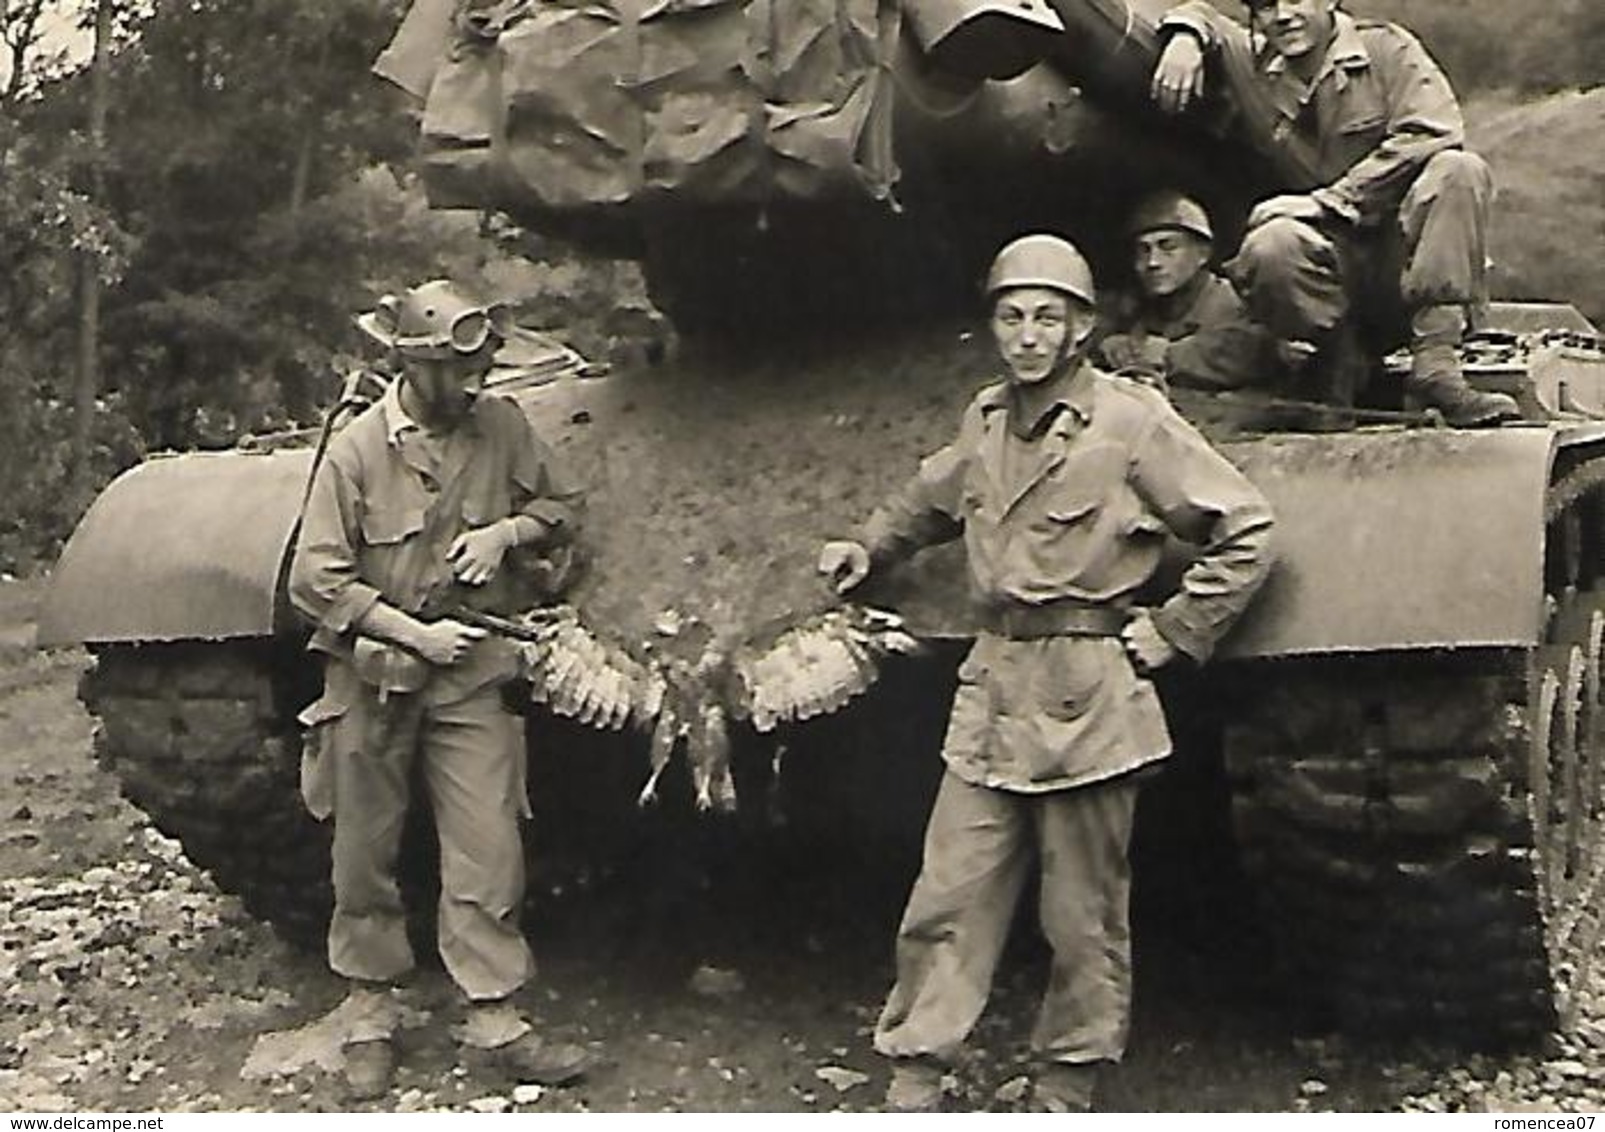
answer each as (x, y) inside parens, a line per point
(1041, 260)
(433, 320)
(1171, 209)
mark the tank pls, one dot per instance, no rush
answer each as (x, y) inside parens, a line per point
(1403, 730)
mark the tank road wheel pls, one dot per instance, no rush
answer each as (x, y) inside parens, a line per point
(203, 739)
(1566, 744)
(1424, 828)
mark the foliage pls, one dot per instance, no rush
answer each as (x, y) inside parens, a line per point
(1493, 44)
(46, 226)
(1498, 44)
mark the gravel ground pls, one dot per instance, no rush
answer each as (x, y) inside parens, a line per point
(128, 982)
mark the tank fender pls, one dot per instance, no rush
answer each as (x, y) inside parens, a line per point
(1430, 538)
(189, 547)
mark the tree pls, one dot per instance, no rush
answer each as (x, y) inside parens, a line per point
(229, 123)
(205, 250)
(20, 32)
(86, 382)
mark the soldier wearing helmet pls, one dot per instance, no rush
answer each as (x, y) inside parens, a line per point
(1062, 483)
(1380, 232)
(1185, 325)
(435, 498)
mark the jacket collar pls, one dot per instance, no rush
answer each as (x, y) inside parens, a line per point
(1184, 310)
(1060, 423)
(1079, 396)
(398, 422)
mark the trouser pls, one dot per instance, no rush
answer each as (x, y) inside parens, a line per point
(469, 755)
(978, 850)
(1302, 280)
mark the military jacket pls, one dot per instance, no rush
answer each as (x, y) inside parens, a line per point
(1078, 515)
(1377, 111)
(1211, 343)
(385, 507)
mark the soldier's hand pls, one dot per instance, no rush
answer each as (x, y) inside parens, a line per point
(447, 642)
(1151, 353)
(1178, 79)
(1290, 206)
(1118, 351)
(1147, 647)
(845, 563)
(476, 555)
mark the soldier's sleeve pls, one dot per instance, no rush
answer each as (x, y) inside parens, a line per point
(1206, 501)
(1214, 29)
(545, 492)
(1229, 351)
(324, 582)
(1423, 119)
(1243, 107)
(926, 512)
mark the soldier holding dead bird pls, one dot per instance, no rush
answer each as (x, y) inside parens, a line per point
(1063, 483)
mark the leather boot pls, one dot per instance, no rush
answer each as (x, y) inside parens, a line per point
(916, 1086)
(534, 1059)
(369, 1015)
(1065, 1087)
(1436, 380)
(370, 1068)
(496, 1035)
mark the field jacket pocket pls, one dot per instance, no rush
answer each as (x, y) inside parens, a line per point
(385, 526)
(1068, 679)
(321, 722)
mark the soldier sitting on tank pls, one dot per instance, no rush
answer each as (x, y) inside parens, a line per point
(433, 498)
(1387, 233)
(1063, 482)
(1185, 326)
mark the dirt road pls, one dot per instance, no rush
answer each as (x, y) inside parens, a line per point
(127, 982)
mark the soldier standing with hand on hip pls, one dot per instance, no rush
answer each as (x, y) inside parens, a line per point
(433, 498)
(1063, 482)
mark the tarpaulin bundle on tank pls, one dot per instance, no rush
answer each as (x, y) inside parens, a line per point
(572, 105)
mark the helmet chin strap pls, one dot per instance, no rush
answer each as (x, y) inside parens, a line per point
(1073, 353)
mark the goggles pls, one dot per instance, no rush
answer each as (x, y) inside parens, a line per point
(1260, 8)
(433, 321)
(467, 334)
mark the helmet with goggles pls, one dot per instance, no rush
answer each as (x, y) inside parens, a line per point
(434, 320)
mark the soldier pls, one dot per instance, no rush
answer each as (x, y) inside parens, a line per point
(1389, 203)
(433, 498)
(1186, 325)
(1063, 482)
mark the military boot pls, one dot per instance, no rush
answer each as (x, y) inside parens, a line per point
(1064, 1088)
(1436, 380)
(370, 1069)
(531, 1058)
(495, 1035)
(916, 1086)
(369, 1016)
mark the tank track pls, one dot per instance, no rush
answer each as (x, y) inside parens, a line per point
(1424, 829)
(202, 738)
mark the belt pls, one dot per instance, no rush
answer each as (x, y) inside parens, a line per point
(1033, 622)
